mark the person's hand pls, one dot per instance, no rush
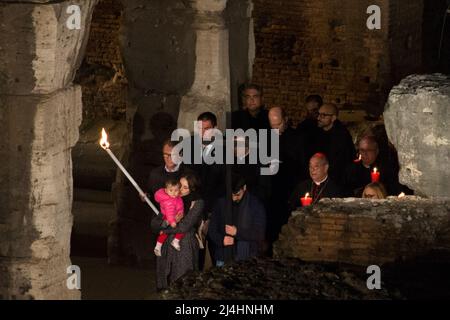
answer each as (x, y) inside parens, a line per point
(231, 230)
(143, 196)
(173, 224)
(204, 227)
(179, 216)
(228, 241)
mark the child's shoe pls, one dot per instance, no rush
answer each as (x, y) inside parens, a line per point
(157, 250)
(176, 244)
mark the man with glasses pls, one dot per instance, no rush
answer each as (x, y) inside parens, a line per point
(358, 173)
(333, 140)
(169, 170)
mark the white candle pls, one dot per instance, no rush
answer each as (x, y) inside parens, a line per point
(105, 145)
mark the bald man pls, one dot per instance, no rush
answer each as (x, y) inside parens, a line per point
(319, 185)
(334, 140)
(293, 168)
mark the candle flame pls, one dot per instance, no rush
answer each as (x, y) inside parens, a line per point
(104, 140)
(374, 170)
(306, 195)
(401, 195)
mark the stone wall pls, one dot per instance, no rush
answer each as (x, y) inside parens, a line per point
(40, 111)
(417, 118)
(365, 232)
(324, 47)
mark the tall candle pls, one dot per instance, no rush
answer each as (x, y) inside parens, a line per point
(306, 201)
(375, 175)
(105, 145)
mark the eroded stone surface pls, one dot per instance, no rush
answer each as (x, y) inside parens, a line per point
(47, 55)
(417, 118)
(365, 232)
(40, 112)
(36, 191)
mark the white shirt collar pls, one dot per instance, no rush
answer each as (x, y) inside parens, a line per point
(321, 181)
(174, 169)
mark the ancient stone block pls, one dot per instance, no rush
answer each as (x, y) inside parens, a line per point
(374, 232)
(43, 54)
(417, 117)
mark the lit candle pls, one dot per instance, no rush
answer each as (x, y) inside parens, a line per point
(401, 195)
(358, 159)
(105, 145)
(375, 175)
(306, 201)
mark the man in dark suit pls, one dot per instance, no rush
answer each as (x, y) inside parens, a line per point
(291, 169)
(211, 175)
(253, 115)
(319, 186)
(169, 170)
(308, 127)
(244, 235)
(358, 173)
(334, 140)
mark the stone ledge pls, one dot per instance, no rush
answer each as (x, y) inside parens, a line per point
(364, 232)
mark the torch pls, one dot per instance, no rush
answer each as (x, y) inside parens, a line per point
(105, 145)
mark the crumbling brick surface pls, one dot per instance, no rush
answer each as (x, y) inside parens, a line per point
(324, 47)
(364, 232)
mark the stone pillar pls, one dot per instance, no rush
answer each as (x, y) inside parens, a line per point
(417, 118)
(211, 88)
(40, 111)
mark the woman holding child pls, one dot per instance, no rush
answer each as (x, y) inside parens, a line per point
(172, 262)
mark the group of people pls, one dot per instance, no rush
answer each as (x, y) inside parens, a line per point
(212, 214)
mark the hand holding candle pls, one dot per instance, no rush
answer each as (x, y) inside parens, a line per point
(105, 145)
(375, 175)
(306, 201)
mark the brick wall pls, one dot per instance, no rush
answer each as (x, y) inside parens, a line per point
(365, 232)
(324, 47)
(102, 73)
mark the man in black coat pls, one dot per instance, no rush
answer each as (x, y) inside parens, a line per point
(308, 128)
(169, 170)
(334, 140)
(253, 115)
(319, 186)
(247, 230)
(358, 173)
(211, 175)
(291, 169)
(243, 166)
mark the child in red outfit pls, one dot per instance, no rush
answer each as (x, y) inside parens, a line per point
(171, 205)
